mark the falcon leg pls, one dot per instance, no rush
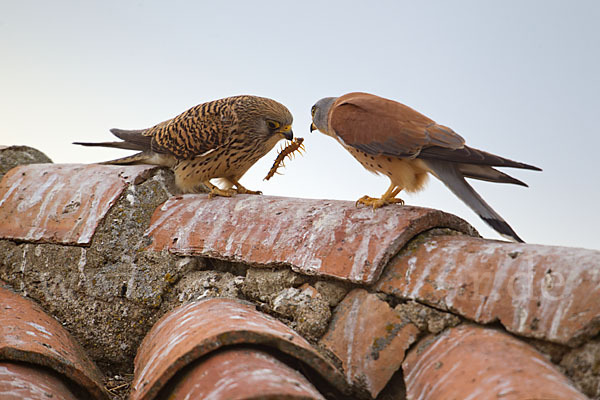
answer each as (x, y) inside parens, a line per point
(242, 190)
(215, 191)
(389, 197)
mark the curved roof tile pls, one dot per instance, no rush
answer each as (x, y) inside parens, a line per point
(197, 329)
(546, 292)
(242, 373)
(29, 335)
(314, 237)
(21, 381)
(470, 362)
(61, 203)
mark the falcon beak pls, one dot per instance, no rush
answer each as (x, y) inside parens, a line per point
(313, 127)
(286, 132)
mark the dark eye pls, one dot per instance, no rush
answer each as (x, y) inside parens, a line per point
(313, 110)
(273, 125)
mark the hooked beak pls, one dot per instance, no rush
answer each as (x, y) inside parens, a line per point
(313, 127)
(286, 132)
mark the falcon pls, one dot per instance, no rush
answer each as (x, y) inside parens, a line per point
(392, 139)
(218, 139)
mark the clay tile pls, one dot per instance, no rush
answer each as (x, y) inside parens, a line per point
(62, 204)
(545, 292)
(470, 362)
(196, 329)
(370, 339)
(22, 381)
(310, 290)
(242, 373)
(29, 335)
(315, 237)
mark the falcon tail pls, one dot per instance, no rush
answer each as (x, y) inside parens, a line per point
(138, 158)
(116, 145)
(451, 175)
(132, 140)
(134, 137)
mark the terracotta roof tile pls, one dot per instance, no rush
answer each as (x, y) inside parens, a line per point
(242, 373)
(470, 362)
(216, 347)
(29, 335)
(370, 339)
(196, 329)
(57, 203)
(22, 381)
(315, 237)
(545, 292)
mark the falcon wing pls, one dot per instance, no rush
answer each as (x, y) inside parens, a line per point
(469, 155)
(196, 131)
(380, 126)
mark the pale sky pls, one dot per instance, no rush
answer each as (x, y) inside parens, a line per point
(520, 79)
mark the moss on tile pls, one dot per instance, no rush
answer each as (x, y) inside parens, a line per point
(12, 156)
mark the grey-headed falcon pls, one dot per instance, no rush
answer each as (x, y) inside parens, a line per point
(392, 139)
(218, 139)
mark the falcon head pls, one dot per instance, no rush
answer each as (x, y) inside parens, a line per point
(283, 128)
(320, 114)
(276, 120)
(267, 120)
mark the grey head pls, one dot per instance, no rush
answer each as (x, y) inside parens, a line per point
(320, 114)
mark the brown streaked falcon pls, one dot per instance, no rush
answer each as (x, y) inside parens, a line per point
(218, 139)
(392, 139)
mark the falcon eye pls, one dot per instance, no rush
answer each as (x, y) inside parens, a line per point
(272, 124)
(313, 110)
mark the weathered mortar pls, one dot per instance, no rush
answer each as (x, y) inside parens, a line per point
(107, 295)
(110, 293)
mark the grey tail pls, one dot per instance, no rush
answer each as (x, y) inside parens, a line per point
(450, 174)
(116, 145)
(487, 173)
(135, 137)
(132, 140)
(469, 155)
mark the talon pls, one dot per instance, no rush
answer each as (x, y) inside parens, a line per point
(239, 189)
(364, 200)
(243, 190)
(215, 191)
(377, 203)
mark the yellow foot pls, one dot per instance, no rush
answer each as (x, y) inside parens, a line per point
(215, 191)
(242, 190)
(376, 203)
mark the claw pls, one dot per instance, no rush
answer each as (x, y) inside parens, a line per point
(363, 200)
(243, 190)
(215, 191)
(377, 203)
